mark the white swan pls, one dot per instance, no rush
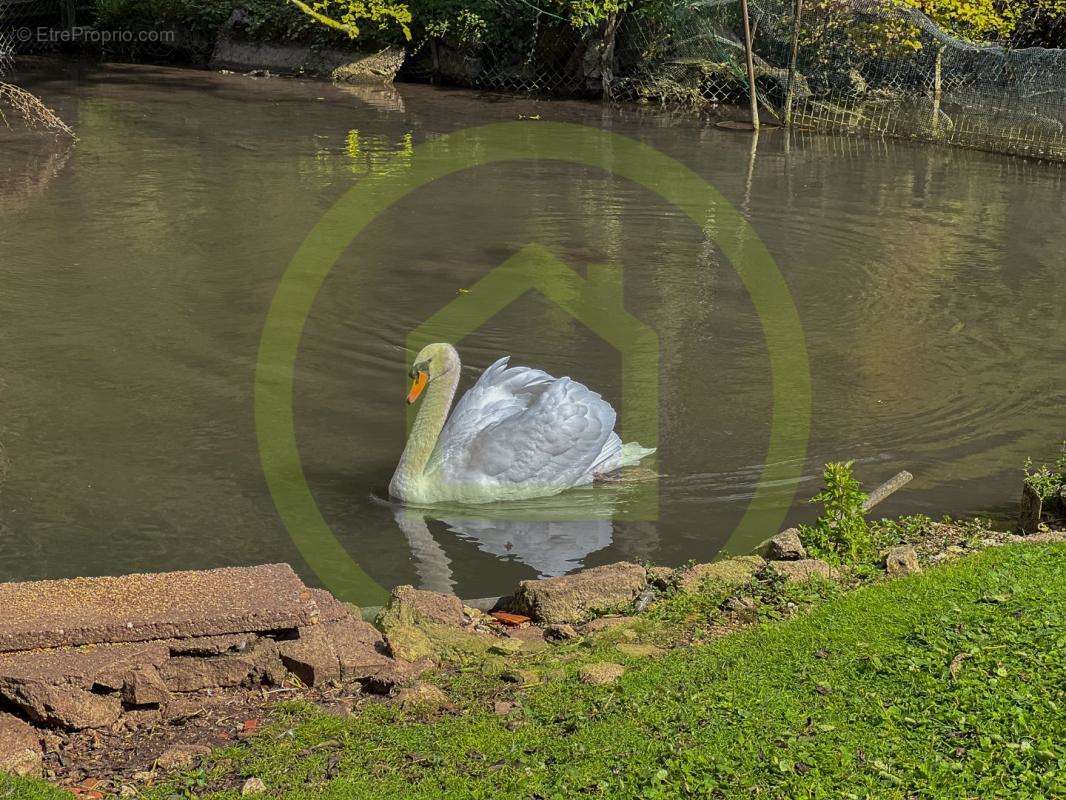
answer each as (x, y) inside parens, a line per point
(517, 433)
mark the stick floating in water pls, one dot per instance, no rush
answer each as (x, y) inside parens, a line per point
(896, 482)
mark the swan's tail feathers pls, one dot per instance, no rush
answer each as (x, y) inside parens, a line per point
(616, 455)
(633, 453)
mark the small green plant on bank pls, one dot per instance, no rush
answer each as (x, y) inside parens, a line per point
(841, 533)
(1048, 480)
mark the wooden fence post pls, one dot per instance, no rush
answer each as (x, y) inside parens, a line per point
(751, 66)
(796, 17)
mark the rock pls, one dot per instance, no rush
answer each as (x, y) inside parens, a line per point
(786, 546)
(501, 708)
(572, 598)
(742, 608)
(347, 648)
(803, 570)
(600, 674)
(193, 673)
(360, 649)
(20, 748)
(67, 706)
(253, 786)
(72, 686)
(95, 667)
(446, 609)
(426, 625)
(127, 791)
(311, 657)
(425, 697)
(409, 642)
(1030, 510)
(144, 686)
(725, 574)
(634, 650)
(901, 560)
(181, 756)
(395, 675)
(330, 609)
(560, 632)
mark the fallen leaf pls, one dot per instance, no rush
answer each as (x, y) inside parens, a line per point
(956, 662)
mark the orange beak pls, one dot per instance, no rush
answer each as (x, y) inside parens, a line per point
(417, 386)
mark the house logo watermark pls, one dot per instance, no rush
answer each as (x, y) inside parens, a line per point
(595, 300)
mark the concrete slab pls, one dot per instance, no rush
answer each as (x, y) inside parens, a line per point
(134, 608)
(103, 666)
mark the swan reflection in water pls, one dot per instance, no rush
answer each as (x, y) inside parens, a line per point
(549, 547)
(551, 536)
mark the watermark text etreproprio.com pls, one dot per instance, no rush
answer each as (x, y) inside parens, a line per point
(46, 35)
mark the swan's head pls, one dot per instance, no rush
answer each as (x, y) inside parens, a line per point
(431, 362)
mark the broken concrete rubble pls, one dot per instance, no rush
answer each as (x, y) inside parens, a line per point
(135, 608)
(173, 636)
(20, 747)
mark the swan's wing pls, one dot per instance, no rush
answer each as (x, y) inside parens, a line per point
(554, 442)
(499, 393)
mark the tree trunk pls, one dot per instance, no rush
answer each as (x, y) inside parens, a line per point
(610, 29)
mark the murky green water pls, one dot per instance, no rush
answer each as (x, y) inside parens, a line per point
(138, 267)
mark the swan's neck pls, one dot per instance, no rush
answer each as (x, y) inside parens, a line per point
(432, 414)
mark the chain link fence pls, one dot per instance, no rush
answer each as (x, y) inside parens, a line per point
(7, 40)
(872, 66)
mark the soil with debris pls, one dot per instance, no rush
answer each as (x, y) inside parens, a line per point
(94, 763)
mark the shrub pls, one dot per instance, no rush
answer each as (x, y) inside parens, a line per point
(1047, 479)
(841, 532)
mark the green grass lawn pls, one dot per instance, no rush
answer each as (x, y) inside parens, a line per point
(946, 684)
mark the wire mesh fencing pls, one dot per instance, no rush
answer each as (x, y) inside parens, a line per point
(873, 66)
(7, 40)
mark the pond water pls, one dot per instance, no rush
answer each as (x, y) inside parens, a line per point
(138, 268)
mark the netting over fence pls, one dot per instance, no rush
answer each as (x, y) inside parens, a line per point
(875, 66)
(7, 41)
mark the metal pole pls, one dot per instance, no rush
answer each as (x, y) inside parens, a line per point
(751, 66)
(797, 16)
